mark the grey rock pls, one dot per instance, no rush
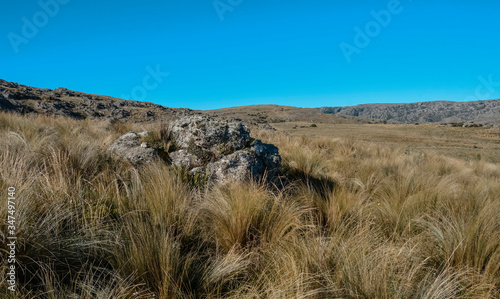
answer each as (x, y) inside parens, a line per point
(209, 134)
(182, 158)
(236, 166)
(129, 147)
(120, 113)
(267, 127)
(222, 150)
(5, 101)
(258, 162)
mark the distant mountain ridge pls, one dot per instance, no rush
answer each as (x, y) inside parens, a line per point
(63, 102)
(23, 99)
(479, 112)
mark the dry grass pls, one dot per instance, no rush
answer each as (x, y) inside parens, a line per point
(275, 113)
(355, 220)
(469, 144)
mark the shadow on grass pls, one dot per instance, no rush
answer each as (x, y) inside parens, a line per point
(321, 185)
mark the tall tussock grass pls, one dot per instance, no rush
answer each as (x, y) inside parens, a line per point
(350, 220)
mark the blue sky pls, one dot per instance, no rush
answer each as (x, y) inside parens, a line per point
(205, 54)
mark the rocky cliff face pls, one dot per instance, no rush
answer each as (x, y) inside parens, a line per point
(480, 112)
(63, 102)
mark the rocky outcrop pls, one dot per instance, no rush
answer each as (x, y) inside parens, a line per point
(215, 151)
(222, 150)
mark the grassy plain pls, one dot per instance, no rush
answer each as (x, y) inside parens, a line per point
(468, 144)
(360, 216)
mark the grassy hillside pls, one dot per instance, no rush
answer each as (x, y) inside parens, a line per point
(356, 219)
(262, 114)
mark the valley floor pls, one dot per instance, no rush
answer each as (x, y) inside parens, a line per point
(469, 144)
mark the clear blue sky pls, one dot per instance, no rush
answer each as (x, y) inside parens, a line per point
(243, 52)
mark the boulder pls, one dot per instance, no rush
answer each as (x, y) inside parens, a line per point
(222, 150)
(210, 135)
(256, 162)
(130, 147)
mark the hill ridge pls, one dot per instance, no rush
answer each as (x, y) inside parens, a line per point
(80, 105)
(480, 112)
